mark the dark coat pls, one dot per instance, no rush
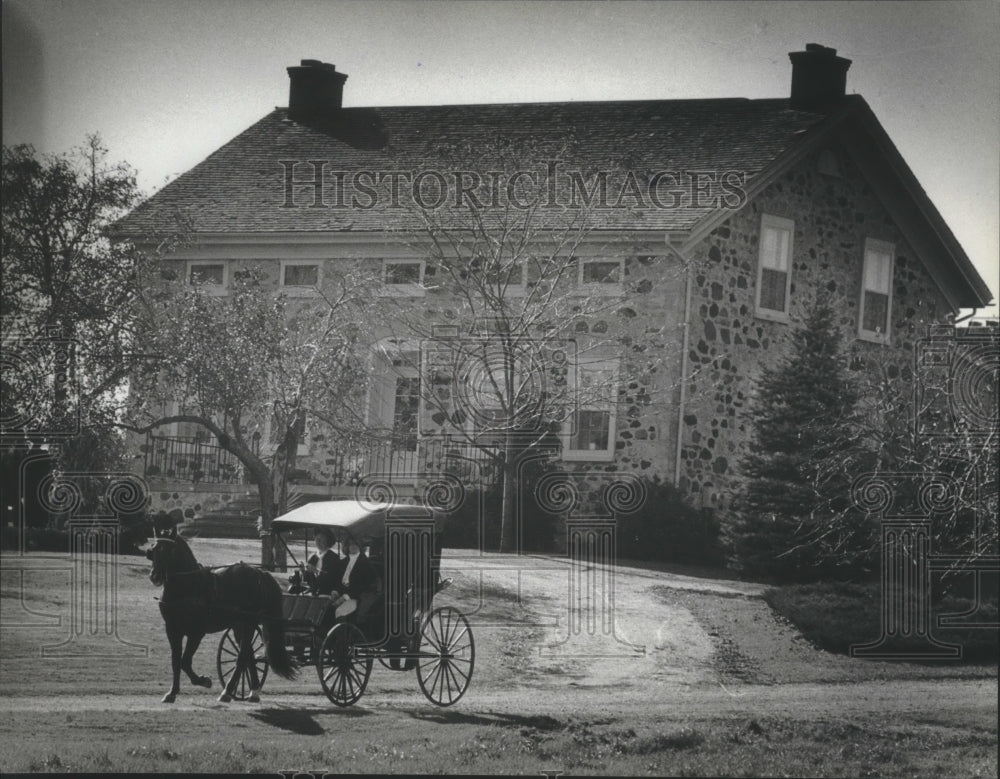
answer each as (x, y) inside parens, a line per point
(330, 572)
(363, 579)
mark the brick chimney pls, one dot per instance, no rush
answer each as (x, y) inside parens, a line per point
(316, 90)
(819, 78)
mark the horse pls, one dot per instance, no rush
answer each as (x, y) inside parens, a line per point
(197, 601)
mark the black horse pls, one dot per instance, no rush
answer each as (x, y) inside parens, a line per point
(197, 601)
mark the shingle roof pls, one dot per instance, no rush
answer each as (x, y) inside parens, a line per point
(241, 187)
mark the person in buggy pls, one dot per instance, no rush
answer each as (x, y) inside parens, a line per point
(350, 581)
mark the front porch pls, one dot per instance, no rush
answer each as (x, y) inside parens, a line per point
(211, 488)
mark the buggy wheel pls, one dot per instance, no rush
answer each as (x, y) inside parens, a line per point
(447, 656)
(255, 670)
(342, 672)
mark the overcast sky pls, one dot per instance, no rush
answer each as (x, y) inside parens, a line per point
(165, 83)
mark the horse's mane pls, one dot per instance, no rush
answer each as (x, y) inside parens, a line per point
(183, 553)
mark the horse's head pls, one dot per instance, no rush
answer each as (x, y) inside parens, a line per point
(169, 555)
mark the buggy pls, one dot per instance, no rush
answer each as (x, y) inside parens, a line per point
(396, 624)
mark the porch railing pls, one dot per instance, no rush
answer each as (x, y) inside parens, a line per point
(190, 459)
(410, 462)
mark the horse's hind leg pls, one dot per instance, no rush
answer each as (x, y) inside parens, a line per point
(186, 660)
(245, 667)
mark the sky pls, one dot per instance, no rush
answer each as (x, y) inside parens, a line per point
(167, 82)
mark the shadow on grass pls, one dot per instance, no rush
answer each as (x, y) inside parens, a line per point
(455, 717)
(298, 720)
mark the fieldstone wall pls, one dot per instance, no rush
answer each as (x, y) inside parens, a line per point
(729, 345)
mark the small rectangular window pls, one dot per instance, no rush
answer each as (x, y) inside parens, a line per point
(876, 291)
(603, 277)
(774, 267)
(300, 275)
(403, 277)
(602, 273)
(402, 273)
(212, 277)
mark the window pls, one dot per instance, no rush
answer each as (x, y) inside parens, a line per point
(508, 277)
(406, 408)
(591, 433)
(876, 291)
(774, 276)
(601, 275)
(403, 277)
(299, 277)
(212, 277)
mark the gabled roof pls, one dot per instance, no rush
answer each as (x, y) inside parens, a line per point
(242, 187)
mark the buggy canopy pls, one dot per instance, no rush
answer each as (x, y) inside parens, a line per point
(361, 519)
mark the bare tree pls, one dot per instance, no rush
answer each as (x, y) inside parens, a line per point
(253, 364)
(519, 336)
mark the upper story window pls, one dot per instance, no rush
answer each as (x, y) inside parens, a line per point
(211, 277)
(876, 291)
(602, 276)
(508, 280)
(774, 267)
(299, 277)
(403, 277)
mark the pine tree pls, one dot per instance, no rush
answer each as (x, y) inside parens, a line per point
(800, 461)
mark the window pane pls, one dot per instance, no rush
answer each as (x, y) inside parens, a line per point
(591, 430)
(601, 272)
(206, 274)
(774, 248)
(402, 273)
(772, 289)
(404, 415)
(877, 266)
(876, 314)
(301, 275)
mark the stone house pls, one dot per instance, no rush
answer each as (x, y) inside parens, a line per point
(728, 219)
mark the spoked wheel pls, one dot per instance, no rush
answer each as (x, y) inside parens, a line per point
(343, 674)
(447, 656)
(254, 671)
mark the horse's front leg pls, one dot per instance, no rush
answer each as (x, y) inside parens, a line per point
(192, 646)
(176, 638)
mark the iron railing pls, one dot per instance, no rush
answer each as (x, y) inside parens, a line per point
(190, 459)
(407, 462)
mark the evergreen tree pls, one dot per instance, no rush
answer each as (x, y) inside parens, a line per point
(803, 452)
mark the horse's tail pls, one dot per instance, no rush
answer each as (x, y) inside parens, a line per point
(273, 627)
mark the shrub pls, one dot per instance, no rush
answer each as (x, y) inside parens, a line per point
(835, 615)
(668, 529)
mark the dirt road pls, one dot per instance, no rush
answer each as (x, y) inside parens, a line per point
(555, 643)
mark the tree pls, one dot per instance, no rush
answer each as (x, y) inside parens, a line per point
(65, 283)
(67, 304)
(804, 451)
(937, 420)
(515, 352)
(251, 367)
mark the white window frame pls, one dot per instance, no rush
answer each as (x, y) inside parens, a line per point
(600, 287)
(771, 222)
(409, 290)
(580, 402)
(298, 290)
(209, 289)
(875, 247)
